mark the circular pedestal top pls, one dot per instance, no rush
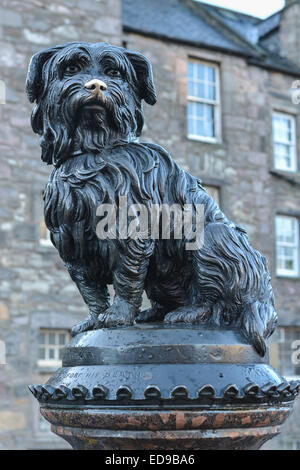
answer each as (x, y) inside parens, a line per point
(154, 366)
(160, 344)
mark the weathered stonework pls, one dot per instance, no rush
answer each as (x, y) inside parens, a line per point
(33, 281)
(289, 31)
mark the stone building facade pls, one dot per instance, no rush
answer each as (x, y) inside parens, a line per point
(255, 65)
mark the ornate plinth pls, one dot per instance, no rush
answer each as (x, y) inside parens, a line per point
(163, 387)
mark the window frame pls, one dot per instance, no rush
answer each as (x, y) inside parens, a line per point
(48, 362)
(216, 103)
(296, 245)
(292, 143)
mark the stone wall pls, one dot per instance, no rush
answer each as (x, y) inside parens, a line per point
(35, 289)
(289, 33)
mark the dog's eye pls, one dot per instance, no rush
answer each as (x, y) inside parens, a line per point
(71, 69)
(114, 73)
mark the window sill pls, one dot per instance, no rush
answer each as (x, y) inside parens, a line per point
(204, 140)
(45, 243)
(43, 248)
(292, 177)
(288, 277)
(47, 367)
(286, 170)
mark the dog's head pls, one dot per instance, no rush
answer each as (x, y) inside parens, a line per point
(87, 95)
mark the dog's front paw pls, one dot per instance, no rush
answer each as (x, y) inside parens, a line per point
(121, 313)
(89, 323)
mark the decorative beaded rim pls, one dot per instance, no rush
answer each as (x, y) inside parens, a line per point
(268, 393)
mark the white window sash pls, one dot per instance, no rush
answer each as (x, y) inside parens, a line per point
(290, 143)
(295, 246)
(202, 100)
(55, 361)
(215, 103)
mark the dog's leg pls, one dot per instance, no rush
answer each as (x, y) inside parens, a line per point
(129, 278)
(95, 296)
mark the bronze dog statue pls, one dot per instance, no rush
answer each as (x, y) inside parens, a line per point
(88, 112)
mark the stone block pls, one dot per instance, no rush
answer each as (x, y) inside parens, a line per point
(4, 313)
(10, 17)
(107, 25)
(12, 420)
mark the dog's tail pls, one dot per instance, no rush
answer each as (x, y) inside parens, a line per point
(259, 317)
(230, 270)
(258, 322)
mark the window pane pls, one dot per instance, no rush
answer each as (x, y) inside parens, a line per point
(42, 338)
(287, 245)
(61, 353)
(210, 132)
(191, 108)
(201, 119)
(286, 229)
(62, 339)
(209, 112)
(284, 142)
(51, 353)
(200, 71)
(200, 90)
(211, 92)
(282, 129)
(200, 110)
(200, 127)
(192, 114)
(211, 74)
(283, 156)
(201, 81)
(191, 91)
(51, 338)
(289, 264)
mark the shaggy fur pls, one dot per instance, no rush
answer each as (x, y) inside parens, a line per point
(91, 141)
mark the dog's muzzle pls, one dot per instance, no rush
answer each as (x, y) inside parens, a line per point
(96, 87)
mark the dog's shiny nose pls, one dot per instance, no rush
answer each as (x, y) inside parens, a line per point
(95, 86)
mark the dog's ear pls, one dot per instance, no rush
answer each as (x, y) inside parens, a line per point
(35, 79)
(143, 70)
